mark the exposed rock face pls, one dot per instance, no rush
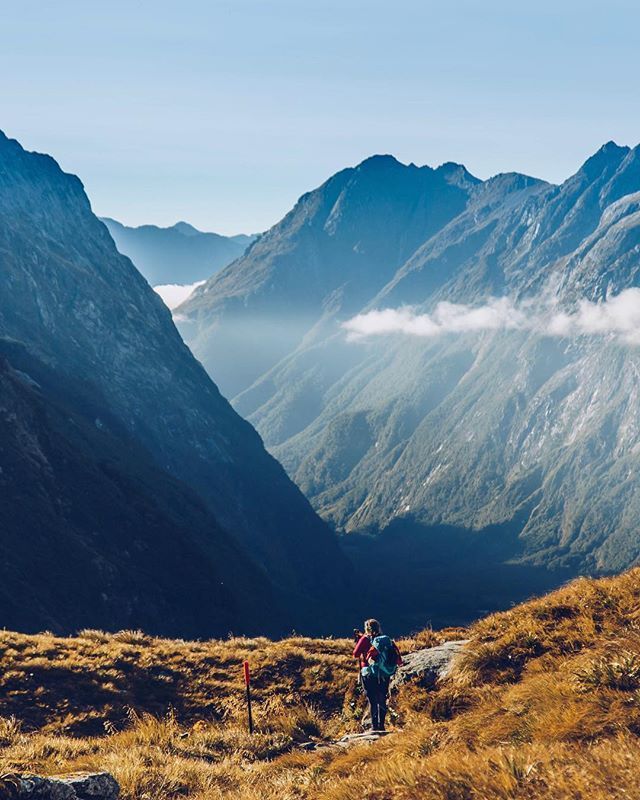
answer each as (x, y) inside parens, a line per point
(179, 254)
(83, 786)
(428, 666)
(115, 381)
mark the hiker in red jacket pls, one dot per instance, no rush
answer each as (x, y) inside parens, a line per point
(379, 659)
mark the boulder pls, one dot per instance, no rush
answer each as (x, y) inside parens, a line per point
(79, 786)
(428, 666)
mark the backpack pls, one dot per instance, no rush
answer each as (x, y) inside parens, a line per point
(388, 660)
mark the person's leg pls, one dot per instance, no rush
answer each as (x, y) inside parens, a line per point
(375, 703)
(383, 691)
(371, 689)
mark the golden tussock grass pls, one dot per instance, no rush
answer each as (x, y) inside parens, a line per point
(544, 703)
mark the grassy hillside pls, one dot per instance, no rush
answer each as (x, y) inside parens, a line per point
(545, 704)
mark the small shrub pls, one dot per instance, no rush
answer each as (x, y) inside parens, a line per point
(516, 765)
(449, 702)
(10, 729)
(132, 637)
(501, 660)
(611, 672)
(94, 635)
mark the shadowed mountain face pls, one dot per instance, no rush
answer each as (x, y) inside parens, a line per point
(93, 534)
(136, 404)
(533, 435)
(180, 254)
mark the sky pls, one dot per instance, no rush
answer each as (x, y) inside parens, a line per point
(223, 112)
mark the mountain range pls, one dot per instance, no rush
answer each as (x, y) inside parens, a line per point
(133, 495)
(180, 254)
(447, 441)
(447, 368)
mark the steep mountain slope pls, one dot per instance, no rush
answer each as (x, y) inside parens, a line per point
(470, 258)
(93, 534)
(85, 312)
(531, 437)
(180, 254)
(331, 254)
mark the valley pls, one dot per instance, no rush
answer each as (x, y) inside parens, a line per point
(531, 429)
(465, 469)
(319, 401)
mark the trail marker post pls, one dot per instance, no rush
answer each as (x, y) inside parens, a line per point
(247, 683)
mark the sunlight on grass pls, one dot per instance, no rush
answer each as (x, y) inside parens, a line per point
(544, 703)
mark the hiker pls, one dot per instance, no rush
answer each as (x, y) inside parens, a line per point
(379, 658)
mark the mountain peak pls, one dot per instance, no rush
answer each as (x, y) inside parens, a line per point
(380, 161)
(6, 141)
(179, 254)
(612, 147)
(609, 154)
(458, 172)
(185, 229)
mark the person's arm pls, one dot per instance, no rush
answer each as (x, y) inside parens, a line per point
(372, 654)
(362, 646)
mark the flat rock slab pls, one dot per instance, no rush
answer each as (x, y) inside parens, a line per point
(80, 786)
(428, 666)
(346, 741)
(355, 738)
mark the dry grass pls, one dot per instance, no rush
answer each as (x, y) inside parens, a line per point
(544, 704)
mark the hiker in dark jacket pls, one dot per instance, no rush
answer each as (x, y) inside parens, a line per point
(378, 658)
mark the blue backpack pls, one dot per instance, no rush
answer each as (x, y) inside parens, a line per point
(387, 663)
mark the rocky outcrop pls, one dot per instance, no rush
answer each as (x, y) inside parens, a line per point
(81, 786)
(428, 666)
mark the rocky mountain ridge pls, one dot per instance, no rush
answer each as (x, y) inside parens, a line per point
(517, 431)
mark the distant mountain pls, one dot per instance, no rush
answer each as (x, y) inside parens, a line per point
(133, 495)
(527, 442)
(334, 251)
(180, 254)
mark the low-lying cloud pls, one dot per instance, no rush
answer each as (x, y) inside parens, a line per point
(174, 294)
(619, 316)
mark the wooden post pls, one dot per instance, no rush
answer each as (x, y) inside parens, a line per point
(247, 683)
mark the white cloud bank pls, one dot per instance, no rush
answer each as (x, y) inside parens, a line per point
(619, 315)
(173, 294)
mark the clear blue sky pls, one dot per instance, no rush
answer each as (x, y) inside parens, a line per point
(223, 112)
